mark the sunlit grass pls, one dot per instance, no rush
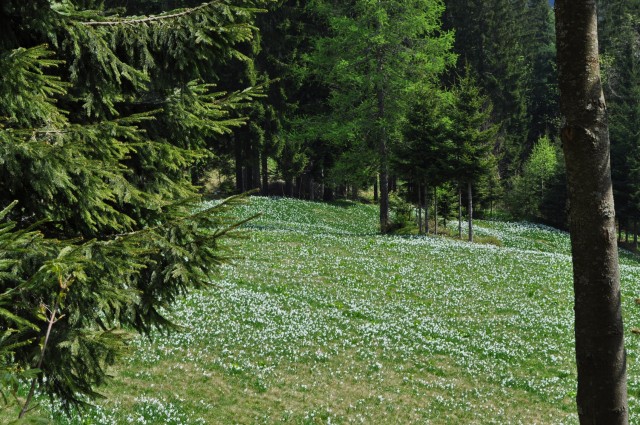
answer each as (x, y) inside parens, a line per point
(321, 320)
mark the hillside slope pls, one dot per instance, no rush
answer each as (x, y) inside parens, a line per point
(321, 320)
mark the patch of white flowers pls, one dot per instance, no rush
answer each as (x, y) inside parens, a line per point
(318, 300)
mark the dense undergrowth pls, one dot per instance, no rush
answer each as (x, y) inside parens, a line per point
(321, 320)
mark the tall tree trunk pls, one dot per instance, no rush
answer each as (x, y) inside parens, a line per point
(419, 209)
(375, 190)
(248, 178)
(600, 354)
(239, 159)
(426, 213)
(635, 234)
(470, 209)
(459, 210)
(626, 231)
(384, 166)
(298, 181)
(312, 194)
(619, 230)
(256, 172)
(322, 185)
(265, 174)
(435, 209)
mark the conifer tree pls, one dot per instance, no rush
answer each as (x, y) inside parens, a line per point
(376, 52)
(102, 120)
(619, 38)
(470, 153)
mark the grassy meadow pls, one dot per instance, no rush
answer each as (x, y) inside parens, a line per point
(322, 321)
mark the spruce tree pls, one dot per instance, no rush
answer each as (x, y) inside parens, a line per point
(103, 118)
(470, 152)
(377, 52)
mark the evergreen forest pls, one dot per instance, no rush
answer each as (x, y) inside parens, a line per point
(320, 211)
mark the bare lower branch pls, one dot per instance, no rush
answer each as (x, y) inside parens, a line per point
(147, 19)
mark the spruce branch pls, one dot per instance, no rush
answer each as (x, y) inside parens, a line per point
(52, 319)
(147, 19)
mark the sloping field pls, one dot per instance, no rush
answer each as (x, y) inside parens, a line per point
(320, 320)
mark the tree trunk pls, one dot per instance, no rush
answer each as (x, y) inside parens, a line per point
(240, 183)
(435, 209)
(470, 210)
(384, 166)
(419, 209)
(256, 173)
(600, 355)
(265, 174)
(426, 214)
(619, 230)
(312, 196)
(298, 181)
(459, 211)
(375, 190)
(635, 234)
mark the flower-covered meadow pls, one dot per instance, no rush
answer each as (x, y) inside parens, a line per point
(321, 321)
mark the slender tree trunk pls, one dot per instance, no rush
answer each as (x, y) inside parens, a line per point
(254, 169)
(265, 174)
(619, 231)
(419, 209)
(299, 187)
(384, 166)
(426, 213)
(459, 210)
(312, 196)
(470, 209)
(375, 190)
(635, 234)
(393, 183)
(240, 183)
(600, 354)
(435, 209)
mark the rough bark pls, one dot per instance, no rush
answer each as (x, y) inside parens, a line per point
(600, 355)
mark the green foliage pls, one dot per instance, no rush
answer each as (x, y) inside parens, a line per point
(510, 45)
(373, 56)
(530, 188)
(470, 149)
(619, 37)
(421, 154)
(401, 214)
(99, 143)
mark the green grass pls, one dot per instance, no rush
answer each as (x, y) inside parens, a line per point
(321, 320)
